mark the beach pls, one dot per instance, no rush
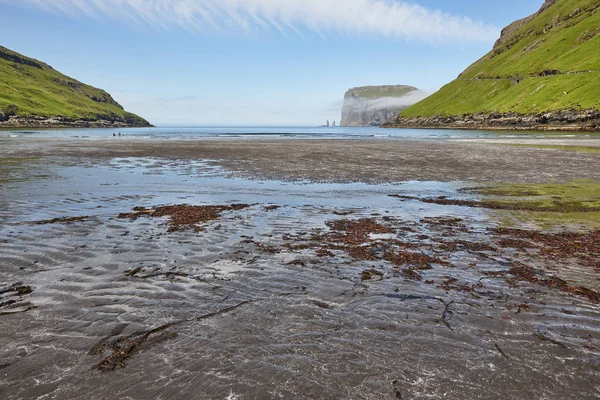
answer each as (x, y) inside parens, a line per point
(233, 268)
(339, 160)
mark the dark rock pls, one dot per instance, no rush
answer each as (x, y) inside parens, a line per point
(561, 120)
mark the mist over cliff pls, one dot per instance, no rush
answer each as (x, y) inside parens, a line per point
(376, 105)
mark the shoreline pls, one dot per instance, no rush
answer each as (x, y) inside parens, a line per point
(55, 122)
(554, 121)
(465, 127)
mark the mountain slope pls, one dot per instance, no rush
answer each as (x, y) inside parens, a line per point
(543, 73)
(375, 105)
(34, 94)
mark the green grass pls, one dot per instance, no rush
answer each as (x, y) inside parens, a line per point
(550, 220)
(37, 89)
(531, 96)
(581, 193)
(561, 48)
(578, 149)
(555, 40)
(572, 203)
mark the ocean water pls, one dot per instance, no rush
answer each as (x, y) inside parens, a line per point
(282, 132)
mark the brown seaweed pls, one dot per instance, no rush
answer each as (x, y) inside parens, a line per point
(184, 217)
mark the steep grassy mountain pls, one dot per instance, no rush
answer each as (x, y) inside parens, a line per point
(34, 94)
(546, 65)
(376, 105)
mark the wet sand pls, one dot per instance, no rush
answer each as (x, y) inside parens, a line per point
(282, 287)
(374, 161)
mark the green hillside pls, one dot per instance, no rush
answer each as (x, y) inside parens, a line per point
(31, 88)
(547, 62)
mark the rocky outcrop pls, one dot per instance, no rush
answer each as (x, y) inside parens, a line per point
(100, 121)
(376, 105)
(365, 117)
(563, 120)
(508, 32)
(18, 59)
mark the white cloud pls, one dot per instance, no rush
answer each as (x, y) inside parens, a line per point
(390, 103)
(387, 18)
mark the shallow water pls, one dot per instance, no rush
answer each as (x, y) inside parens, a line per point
(313, 328)
(279, 132)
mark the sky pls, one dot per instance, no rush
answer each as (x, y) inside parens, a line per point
(254, 62)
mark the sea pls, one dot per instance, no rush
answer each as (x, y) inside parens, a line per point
(279, 132)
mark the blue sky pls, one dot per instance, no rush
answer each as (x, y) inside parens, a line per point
(271, 62)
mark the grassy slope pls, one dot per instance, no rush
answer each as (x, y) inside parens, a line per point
(37, 89)
(558, 39)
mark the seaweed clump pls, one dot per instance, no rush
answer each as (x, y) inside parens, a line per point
(62, 220)
(116, 349)
(368, 239)
(503, 205)
(583, 246)
(529, 274)
(183, 216)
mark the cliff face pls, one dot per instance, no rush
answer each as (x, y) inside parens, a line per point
(33, 94)
(543, 73)
(376, 105)
(509, 31)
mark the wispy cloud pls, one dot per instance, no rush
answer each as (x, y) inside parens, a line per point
(387, 18)
(390, 103)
